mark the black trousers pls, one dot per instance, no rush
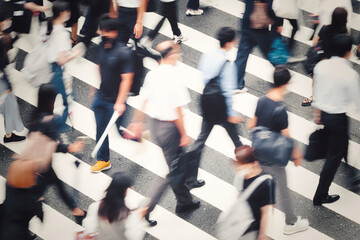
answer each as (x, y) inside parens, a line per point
(194, 155)
(167, 137)
(169, 11)
(336, 127)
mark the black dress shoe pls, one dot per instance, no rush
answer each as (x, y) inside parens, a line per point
(152, 223)
(187, 207)
(327, 199)
(196, 184)
(79, 219)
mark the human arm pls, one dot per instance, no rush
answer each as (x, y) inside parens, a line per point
(35, 7)
(125, 86)
(138, 29)
(296, 154)
(265, 215)
(113, 11)
(185, 140)
(66, 56)
(91, 222)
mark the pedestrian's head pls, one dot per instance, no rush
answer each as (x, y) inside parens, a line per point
(227, 37)
(244, 155)
(281, 76)
(341, 45)
(61, 12)
(170, 52)
(112, 207)
(339, 19)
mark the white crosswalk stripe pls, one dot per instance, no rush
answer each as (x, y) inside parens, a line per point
(218, 193)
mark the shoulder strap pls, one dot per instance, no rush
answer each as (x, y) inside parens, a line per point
(214, 79)
(251, 188)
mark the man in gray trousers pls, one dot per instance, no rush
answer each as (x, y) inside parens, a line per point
(164, 93)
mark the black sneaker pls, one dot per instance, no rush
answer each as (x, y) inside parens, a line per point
(187, 207)
(196, 184)
(13, 138)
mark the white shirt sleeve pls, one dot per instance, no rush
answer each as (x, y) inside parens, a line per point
(354, 90)
(134, 226)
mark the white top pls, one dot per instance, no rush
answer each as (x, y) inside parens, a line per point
(336, 86)
(59, 41)
(129, 3)
(130, 229)
(286, 8)
(164, 90)
(167, 0)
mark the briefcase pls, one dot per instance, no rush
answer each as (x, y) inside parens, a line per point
(317, 147)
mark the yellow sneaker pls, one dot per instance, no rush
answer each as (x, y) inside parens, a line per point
(100, 166)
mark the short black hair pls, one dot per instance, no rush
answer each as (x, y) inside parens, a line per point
(225, 35)
(341, 44)
(108, 24)
(281, 76)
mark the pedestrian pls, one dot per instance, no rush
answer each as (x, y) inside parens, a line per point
(110, 218)
(257, 17)
(116, 66)
(215, 65)
(264, 117)
(336, 87)
(168, 11)
(262, 199)
(129, 13)
(193, 8)
(164, 92)
(59, 47)
(327, 32)
(8, 104)
(73, 21)
(21, 204)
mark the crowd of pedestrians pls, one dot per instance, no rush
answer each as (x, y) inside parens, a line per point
(259, 170)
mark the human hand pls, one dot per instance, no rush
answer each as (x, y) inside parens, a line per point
(135, 128)
(185, 141)
(120, 108)
(138, 30)
(297, 155)
(235, 119)
(76, 146)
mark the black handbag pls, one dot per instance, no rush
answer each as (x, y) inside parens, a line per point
(212, 100)
(22, 17)
(271, 147)
(317, 147)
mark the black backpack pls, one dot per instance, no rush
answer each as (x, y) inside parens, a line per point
(212, 101)
(313, 56)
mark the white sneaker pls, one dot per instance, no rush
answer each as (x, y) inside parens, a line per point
(179, 39)
(299, 226)
(191, 12)
(243, 90)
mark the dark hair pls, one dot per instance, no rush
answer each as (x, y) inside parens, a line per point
(339, 20)
(225, 35)
(57, 8)
(281, 76)
(46, 99)
(113, 207)
(245, 154)
(341, 44)
(108, 24)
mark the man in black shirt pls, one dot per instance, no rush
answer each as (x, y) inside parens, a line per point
(117, 70)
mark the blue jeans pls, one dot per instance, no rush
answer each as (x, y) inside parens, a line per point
(58, 83)
(250, 38)
(103, 111)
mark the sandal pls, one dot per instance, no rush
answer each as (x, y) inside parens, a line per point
(307, 102)
(74, 42)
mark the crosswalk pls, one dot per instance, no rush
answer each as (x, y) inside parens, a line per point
(340, 220)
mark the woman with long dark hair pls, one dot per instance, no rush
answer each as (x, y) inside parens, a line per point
(110, 218)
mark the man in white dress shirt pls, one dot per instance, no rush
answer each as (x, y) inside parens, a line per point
(164, 97)
(336, 87)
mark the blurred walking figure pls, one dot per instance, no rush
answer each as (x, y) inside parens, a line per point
(116, 68)
(24, 191)
(73, 21)
(256, 193)
(164, 93)
(168, 11)
(336, 87)
(258, 16)
(110, 218)
(60, 47)
(217, 70)
(8, 105)
(193, 8)
(264, 116)
(129, 13)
